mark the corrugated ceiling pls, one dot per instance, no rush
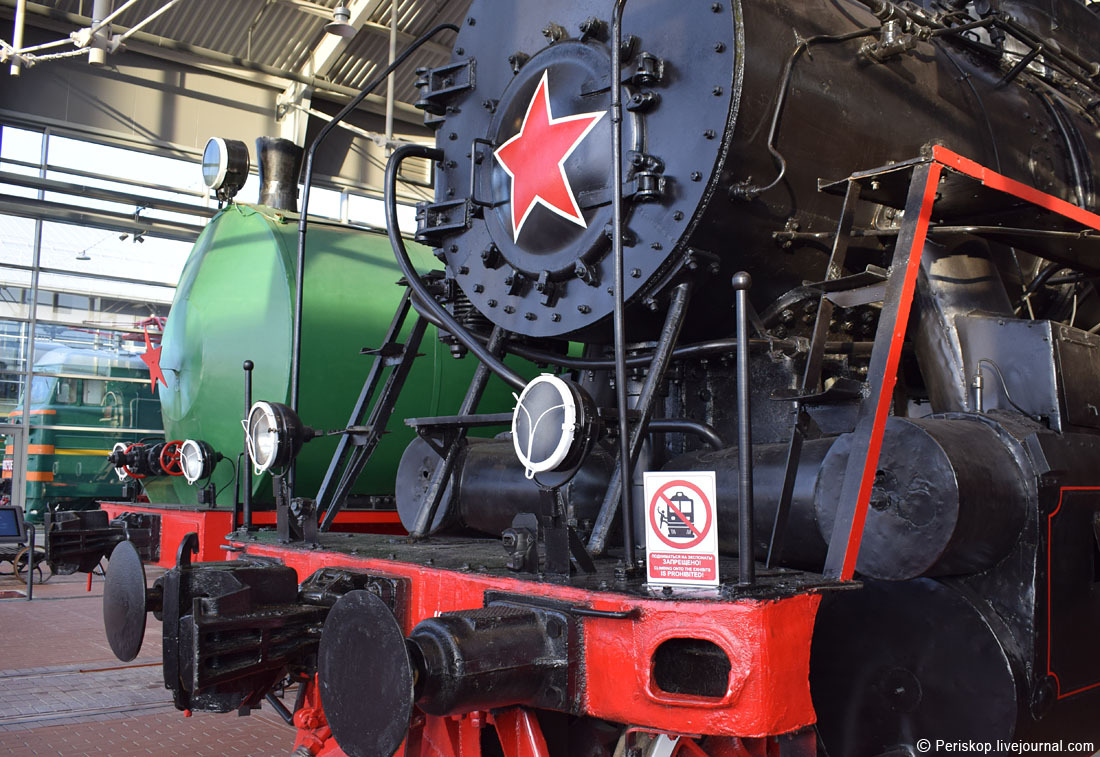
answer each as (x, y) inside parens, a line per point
(284, 33)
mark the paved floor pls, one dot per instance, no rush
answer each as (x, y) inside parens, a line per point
(62, 691)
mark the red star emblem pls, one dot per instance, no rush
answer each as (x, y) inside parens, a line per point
(151, 357)
(535, 159)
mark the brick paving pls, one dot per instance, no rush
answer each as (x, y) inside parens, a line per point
(63, 693)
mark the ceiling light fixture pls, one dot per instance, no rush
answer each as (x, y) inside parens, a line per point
(339, 24)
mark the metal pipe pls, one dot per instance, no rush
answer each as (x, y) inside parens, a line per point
(296, 340)
(279, 708)
(745, 550)
(704, 431)
(97, 55)
(617, 252)
(30, 557)
(247, 506)
(17, 35)
(422, 298)
(392, 78)
(19, 476)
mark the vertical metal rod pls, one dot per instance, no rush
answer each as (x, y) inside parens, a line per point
(390, 82)
(19, 475)
(625, 488)
(746, 538)
(662, 356)
(97, 56)
(30, 558)
(17, 34)
(248, 366)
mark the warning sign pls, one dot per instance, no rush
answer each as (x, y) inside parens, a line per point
(681, 532)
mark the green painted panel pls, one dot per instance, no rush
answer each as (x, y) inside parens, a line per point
(235, 302)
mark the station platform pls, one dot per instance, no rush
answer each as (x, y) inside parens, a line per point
(63, 692)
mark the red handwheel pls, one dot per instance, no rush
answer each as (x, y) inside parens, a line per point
(170, 458)
(126, 468)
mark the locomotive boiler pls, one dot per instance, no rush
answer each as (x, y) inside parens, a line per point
(900, 412)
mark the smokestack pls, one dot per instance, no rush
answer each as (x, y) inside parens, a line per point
(280, 164)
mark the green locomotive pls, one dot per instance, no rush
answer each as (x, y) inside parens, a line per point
(82, 401)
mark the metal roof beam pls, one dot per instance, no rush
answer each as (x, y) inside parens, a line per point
(296, 99)
(332, 45)
(369, 26)
(405, 38)
(202, 58)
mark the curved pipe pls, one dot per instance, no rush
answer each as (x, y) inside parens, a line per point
(704, 431)
(422, 299)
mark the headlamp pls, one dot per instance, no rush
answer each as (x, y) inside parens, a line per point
(553, 425)
(225, 166)
(274, 435)
(197, 460)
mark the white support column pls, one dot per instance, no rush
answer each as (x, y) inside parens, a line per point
(100, 10)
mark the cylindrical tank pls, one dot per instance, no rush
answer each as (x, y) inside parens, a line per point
(488, 487)
(949, 498)
(901, 661)
(703, 187)
(802, 546)
(235, 301)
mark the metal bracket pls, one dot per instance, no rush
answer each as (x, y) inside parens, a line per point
(438, 85)
(435, 220)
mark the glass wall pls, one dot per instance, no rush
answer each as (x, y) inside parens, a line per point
(92, 241)
(93, 238)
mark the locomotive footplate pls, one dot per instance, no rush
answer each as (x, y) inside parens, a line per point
(475, 637)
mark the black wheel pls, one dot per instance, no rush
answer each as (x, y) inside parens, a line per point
(40, 566)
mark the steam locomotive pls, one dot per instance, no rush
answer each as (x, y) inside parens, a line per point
(842, 255)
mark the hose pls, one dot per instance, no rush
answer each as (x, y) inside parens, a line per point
(423, 300)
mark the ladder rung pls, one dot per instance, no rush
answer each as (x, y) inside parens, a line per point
(873, 275)
(842, 390)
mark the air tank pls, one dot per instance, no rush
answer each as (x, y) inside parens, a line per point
(235, 301)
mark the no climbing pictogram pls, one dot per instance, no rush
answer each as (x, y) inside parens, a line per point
(681, 532)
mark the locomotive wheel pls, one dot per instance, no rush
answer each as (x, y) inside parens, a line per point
(39, 562)
(170, 458)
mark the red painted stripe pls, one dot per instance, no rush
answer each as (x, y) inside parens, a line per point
(882, 409)
(1050, 615)
(1002, 183)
